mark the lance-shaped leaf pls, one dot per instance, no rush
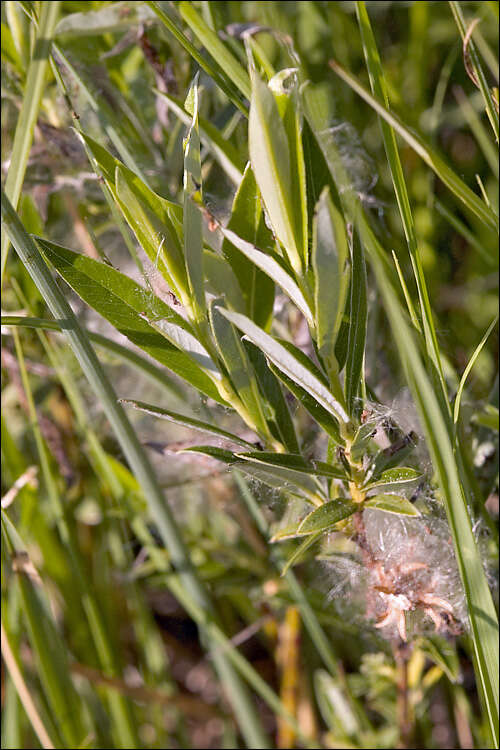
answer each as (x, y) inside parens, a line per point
(106, 165)
(271, 164)
(238, 366)
(247, 222)
(320, 415)
(392, 504)
(124, 303)
(358, 314)
(321, 519)
(154, 231)
(330, 256)
(327, 515)
(186, 341)
(399, 477)
(182, 419)
(284, 86)
(274, 270)
(222, 281)
(334, 385)
(295, 462)
(274, 403)
(302, 374)
(193, 223)
(156, 222)
(277, 477)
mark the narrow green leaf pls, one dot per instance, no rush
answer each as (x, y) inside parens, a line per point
(443, 653)
(154, 230)
(275, 408)
(288, 363)
(400, 476)
(221, 454)
(392, 504)
(239, 369)
(247, 222)
(158, 375)
(121, 301)
(217, 49)
(48, 648)
(273, 269)
(320, 415)
(295, 462)
(358, 316)
(187, 342)
(277, 477)
(480, 78)
(330, 260)
(379, 88)
(193, 223)
(109, 118)
(327, 516)
(205, 64)
(284, 86)
(222, 281)
(194, 424)
(270, 157)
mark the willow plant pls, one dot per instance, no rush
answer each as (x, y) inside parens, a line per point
(298, 228)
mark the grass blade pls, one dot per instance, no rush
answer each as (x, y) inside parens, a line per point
(35, 83)
(142, 364)
(429, 156)
(207, 65)
(482, 614)
(217, 49)
(358, 317)
(379, 89)
(470, 53)
(470, 365)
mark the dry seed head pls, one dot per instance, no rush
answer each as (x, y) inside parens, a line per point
(405, 580)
